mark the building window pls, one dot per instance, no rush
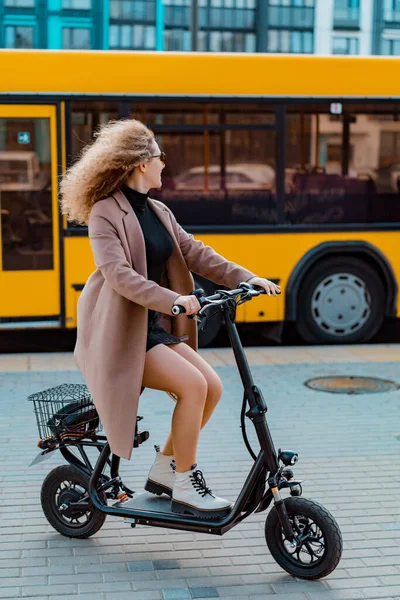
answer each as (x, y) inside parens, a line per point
(19, 37)
(299, 42)
(177, 13)
(292, 3)
(346, 13)
(345, 45)
(391, 10)
(76, 4)
(227, 14)
(228, 18)
(391, 47)
(291, 16)
(20, 3)
(231, 41)
(224, 25)
(222, 3)
(226, 41)
(132, 10)
(347, 5)
(76, 38)
(177, 40)
(391, 5)
(134, 37)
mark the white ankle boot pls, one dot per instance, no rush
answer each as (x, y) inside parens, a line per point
(191, 495)
(161, 477)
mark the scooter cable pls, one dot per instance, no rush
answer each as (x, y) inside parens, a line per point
(243, 427)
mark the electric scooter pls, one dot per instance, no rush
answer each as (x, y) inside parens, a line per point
(302, 536)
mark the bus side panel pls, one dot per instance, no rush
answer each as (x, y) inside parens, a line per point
(273, 256)
(79, 264)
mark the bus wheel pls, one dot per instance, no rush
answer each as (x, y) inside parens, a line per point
(341, 300)
(214, 322)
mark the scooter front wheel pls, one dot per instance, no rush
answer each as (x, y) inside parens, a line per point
(319, 540)
(62, 486)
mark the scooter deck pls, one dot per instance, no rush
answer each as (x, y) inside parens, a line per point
(147, 502)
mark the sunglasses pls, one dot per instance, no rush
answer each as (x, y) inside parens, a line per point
(161, 156)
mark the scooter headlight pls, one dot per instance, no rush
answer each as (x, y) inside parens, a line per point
(288, 458)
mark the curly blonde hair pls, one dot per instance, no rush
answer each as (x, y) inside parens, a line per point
(103, 166)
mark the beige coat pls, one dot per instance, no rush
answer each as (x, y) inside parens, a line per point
(112, 309)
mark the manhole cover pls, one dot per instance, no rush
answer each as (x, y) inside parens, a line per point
(351, 385)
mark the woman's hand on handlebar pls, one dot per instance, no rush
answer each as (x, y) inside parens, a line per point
(190, 304)
(266, 284)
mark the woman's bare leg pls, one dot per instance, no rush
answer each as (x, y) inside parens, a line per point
(167, 370)
(214, 388)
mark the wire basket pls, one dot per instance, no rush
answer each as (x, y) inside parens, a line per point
(65, 412)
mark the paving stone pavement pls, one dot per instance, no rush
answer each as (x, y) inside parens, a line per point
(349, 447)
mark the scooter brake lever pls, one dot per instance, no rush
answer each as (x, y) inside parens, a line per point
(199, 293)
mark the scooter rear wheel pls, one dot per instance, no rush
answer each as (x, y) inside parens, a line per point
(320, 541)
(63, 485)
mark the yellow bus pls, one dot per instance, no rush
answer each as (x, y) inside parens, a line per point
(288, 165)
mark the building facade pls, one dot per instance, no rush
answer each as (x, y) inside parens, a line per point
(278, 26)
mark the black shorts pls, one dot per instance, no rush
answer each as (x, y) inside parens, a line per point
(157, 334)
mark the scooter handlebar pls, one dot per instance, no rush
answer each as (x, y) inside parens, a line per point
(247, 288)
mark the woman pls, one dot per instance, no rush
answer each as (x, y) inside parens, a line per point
(127, 338)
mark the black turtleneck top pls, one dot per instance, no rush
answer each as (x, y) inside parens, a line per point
(158, 241)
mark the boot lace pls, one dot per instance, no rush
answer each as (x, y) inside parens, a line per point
(199, 484)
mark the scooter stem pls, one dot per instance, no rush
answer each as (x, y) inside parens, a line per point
(256, 401)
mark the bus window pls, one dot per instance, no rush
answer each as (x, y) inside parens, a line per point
(25, 194)
(342, 168)
(195, 113)
(86, 117)
(251, 154)
(220, 175)
(172, 113)
(192, 178)
(374, 135)
(246, 114)
(315, 190)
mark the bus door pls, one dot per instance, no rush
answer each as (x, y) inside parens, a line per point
(29, 233)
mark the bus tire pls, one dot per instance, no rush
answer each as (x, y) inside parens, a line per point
(341, 300)
(214, 323)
